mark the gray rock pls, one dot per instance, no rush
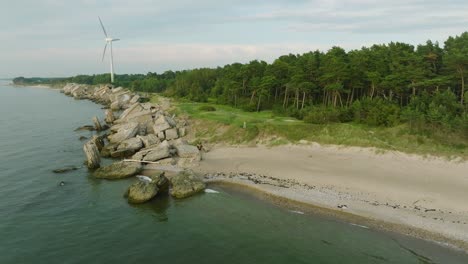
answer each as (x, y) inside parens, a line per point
(186, 184)
(108, 149)
(115, 106)
(118, 170)
(161, 124)
(135, 99)
(141, 191)
(171, 134)
(182, 131)
(65, 169)
(149, 140)
(97, 124)
(188, 151)
(157, 153)
(124, 132)
(127, 148)
(154, 153)
(161, 135)
(85, 128)
(91, 151)
(109, 116)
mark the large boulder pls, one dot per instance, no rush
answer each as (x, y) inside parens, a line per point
(127, 147)
(109, 116)
(161, 124)
(149, 140)
(146, 188)
(97, 123)
(188, 151)
(186, 184)
(135, 99)
(118, 170)
(156, 153)
(124, 132)
(91, 151)
(171, 134)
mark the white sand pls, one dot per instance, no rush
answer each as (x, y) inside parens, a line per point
(392, 187)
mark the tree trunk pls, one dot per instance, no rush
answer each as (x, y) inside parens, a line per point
(463, 87)
(372, 91)
(303, 100)
(297, 99)
(285, 97)
(352, 97)
(276, 93)
(252, 97)
(258, 105)
(243, 86)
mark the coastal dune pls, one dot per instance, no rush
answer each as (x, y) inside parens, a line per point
(424, 194)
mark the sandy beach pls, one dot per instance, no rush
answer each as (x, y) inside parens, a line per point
(423, 197)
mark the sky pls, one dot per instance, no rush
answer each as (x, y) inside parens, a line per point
(58, 38)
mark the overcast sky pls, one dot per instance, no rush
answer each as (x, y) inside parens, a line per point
(63, 37)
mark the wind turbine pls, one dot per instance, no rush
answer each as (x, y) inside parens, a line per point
(109, 41)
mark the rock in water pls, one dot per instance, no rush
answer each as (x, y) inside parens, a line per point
(186, 184)
(97, 124)
(65, 169)
(140, 192)
(91, 151)
(143, 191)
(86, 127)
(118, 170)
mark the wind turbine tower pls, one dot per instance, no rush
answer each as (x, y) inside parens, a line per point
(109, 41)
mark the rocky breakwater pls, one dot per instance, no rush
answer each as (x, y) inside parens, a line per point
(144, 138)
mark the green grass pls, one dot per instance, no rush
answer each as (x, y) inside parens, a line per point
(226, 125)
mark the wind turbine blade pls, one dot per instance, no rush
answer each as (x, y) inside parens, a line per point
(115, 39)
(104, 53)
(102, 25)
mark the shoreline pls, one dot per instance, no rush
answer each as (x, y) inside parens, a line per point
(323, 185)
(384, 206)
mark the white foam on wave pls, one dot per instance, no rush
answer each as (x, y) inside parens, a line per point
(297, 212)
(210, 191)
(361, 226)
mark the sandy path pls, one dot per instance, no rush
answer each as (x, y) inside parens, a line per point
(431, 194)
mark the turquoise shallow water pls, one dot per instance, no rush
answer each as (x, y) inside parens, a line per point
(89, 221)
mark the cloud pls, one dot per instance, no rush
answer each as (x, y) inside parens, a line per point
(63, 37)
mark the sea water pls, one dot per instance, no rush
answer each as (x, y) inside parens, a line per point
(89, 221)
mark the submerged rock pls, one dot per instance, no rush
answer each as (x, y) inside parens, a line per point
(65, 169)
(145, 188)
(186, 184)
(118, 170)
(86, 128)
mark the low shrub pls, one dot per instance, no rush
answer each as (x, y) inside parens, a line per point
(207, 108)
